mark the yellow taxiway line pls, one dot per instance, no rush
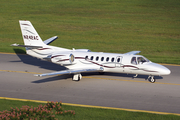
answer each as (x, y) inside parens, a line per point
(19, 71)
(169, 64)
(131, 80)
(91, 106)
(12, 53)
(96, 78)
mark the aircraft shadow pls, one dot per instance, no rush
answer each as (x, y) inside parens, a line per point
(26, 59)
(54, 78)
(145, 77)
(65, 77)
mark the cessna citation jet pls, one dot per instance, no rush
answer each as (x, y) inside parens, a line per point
(78, 61)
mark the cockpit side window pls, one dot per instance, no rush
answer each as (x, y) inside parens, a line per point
(133, 61)
(142, 60)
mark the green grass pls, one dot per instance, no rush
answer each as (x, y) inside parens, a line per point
(92, 113)
(152, 26)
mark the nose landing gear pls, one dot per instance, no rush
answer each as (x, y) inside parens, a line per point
(151, 79)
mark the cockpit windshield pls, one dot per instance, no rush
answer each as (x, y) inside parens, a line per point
(142, 60)
(138, 60)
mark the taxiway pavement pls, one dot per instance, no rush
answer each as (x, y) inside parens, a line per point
(110, 90)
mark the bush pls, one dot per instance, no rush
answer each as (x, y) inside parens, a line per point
(47, 111)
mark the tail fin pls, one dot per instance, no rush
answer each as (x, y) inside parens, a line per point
(29, 34)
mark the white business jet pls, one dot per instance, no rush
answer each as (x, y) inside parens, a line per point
(78, 61)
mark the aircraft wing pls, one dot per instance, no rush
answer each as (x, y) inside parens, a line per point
(72, 71)
(132, 53)
(50, 40)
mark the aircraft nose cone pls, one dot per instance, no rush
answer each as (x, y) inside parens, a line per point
(161, 69)
(166, 71)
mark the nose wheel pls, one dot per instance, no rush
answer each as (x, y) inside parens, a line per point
(151, 79)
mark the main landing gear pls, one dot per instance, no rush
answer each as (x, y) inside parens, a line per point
(151, 79)
(77, 77)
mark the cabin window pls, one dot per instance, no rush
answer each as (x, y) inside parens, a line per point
(92, 57)
(133, 61)
(107, 59)
(118, 60)
(102, 58)
(86, 57)
(112, 60)
(97, 58)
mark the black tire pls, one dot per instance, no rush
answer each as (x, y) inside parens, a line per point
(152, 80)
(78, 78)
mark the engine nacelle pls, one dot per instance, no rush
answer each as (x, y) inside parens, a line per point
(62, 59)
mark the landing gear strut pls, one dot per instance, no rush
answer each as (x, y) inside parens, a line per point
(151, 79)
(135, 76)
(77, 77)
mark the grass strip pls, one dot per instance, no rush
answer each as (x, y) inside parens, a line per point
(91, 113)
(152, 27)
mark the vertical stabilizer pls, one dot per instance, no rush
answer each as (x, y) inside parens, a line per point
(29, 34)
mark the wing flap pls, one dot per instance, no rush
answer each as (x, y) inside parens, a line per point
(71, 71)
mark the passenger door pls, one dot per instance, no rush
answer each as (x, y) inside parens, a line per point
(118, 61)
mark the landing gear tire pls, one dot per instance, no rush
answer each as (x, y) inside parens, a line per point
(77, 77)
(152, 79)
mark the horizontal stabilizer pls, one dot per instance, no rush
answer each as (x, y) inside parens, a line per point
(71, 71)
(32, 46)
(132, 53)
(50, 40)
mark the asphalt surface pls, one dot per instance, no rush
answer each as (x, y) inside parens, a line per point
(110, 90)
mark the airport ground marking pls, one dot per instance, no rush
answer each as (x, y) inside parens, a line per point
(25, 100)
(95, 78)
(19, 71)
(7, 53)
(117, 79)
(168, 64)
(92, 106)
(12, 53)
(131, 80)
